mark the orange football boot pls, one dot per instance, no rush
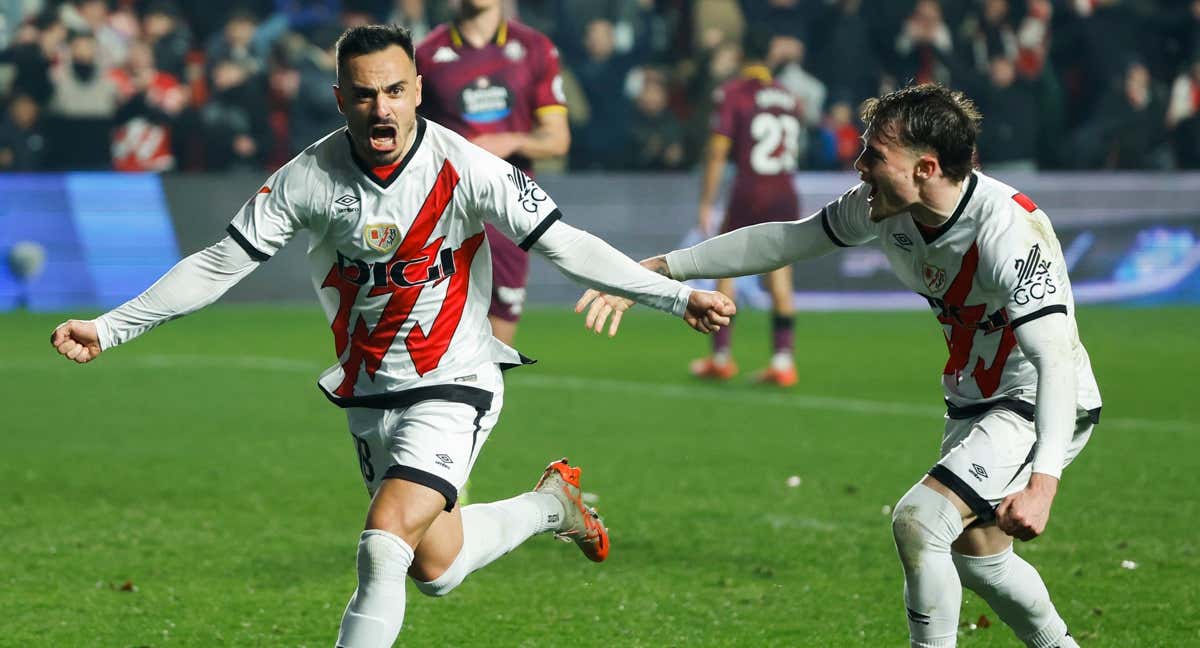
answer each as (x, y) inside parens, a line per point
(781, 377)
(708, 369)
(580, 522)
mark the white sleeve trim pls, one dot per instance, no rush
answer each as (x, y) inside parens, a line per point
(1045, 341)
(752, 250)
(194, 282)
(590, 261)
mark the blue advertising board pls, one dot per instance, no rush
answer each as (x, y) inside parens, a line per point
(104, 237)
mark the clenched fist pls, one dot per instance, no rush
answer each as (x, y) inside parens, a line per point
(77, 340)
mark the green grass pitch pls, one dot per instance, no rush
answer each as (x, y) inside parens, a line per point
(201, 466)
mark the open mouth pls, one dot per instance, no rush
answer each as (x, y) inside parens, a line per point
(383, 137)
(874, 191)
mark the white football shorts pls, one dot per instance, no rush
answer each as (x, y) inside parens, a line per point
(435, 440)
(990, 456)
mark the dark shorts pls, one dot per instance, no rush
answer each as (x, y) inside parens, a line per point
(510, 273)
(752, 204)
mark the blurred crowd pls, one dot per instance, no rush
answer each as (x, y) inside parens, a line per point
(158, 85)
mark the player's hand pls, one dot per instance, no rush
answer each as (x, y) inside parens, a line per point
(707, 311)
(600, 306)
(77, 340)
(502, 145)
(1024, 515)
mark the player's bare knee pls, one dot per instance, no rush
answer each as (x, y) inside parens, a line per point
(428, 569)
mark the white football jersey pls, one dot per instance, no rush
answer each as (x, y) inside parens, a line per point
(399, 263)
(993, 266)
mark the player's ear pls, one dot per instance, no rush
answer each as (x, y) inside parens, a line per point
(337, 94)
(927, 166)
(417, 90)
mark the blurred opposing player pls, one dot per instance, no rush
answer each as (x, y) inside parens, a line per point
(757, 123)
(1020, 395)
(496, 82)
(395, 207)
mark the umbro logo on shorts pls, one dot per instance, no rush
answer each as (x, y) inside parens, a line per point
(444, 460)
(978, 472)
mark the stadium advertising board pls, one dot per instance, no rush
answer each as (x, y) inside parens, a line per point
(96, 239)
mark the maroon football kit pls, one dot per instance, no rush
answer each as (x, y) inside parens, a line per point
(498, 88)
(763, 121)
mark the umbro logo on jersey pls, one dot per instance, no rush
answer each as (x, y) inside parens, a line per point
(444, 55)
(903, 241)
(934, 277)
(383, 238)
(978, 472)
(347, 204)
(1034, 280)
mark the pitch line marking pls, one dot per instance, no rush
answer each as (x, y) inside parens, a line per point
(632, 387)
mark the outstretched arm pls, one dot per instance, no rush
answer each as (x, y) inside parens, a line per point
(589, 260)
(749, 250)
(195, 282)
(1047, 344)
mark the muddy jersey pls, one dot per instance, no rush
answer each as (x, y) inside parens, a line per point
(763, 120)
(398, 262)
(993, 266)
(500, 87)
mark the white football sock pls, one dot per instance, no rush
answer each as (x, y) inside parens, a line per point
(493, 529)
(924, 524)
(1016, 592)
(722, 358)
(782, 361)
(376, 611)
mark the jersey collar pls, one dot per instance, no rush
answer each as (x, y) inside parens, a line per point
(759, 72)
(386, 175)
(500, 38)
(932, 235)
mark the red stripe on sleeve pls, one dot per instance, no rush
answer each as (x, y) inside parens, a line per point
(1025, 202)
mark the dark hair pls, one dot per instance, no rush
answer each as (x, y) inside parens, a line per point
(368, 39)
(928, 116)
(756, 42)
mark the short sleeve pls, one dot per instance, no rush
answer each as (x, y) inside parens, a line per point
(509, 199)
(847, 220)
(548, 86)
(724, 117)
(1026, 263)
(271, 217)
